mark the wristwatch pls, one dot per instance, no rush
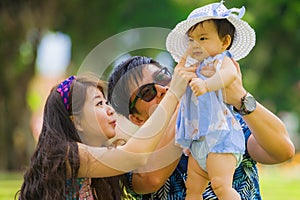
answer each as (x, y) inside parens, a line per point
(248, 105)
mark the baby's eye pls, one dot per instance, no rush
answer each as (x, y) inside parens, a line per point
(202, 38)
(191, 40)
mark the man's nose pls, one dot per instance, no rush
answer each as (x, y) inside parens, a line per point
(161, 90)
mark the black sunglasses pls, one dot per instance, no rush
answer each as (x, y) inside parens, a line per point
(148, 91)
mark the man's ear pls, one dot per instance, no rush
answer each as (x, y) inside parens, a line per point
(136, 119)
(226, 41)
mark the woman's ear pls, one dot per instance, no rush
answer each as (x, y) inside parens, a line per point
(226, 41)
(76, 122)
(136, 119)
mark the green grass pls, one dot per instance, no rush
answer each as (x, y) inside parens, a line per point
(10, 183)
(275, 183)
(280, 183)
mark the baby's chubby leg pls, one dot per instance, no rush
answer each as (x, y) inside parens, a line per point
(220, 168)
(197, 180)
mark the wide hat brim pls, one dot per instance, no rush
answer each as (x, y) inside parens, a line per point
(243, 42)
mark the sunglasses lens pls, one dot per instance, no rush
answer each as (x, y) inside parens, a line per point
(148, 92)
(162, 77)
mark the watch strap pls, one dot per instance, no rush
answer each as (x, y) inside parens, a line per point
(243, 110)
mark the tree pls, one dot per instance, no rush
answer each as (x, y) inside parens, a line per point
(21, 24)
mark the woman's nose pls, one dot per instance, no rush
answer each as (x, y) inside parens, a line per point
(110, 110)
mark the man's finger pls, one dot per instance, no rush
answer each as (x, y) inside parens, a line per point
(237, 66)
(183, 60)
(184, 57)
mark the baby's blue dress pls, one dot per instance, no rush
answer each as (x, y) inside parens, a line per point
(207, 122)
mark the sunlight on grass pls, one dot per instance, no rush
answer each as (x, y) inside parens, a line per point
(280, 183)
(276, 183)
(10, 183)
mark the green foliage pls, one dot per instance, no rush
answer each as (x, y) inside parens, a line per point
(271, 71)
(275, 59)
(34, 100)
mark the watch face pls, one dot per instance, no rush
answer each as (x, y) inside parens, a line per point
(250, 103)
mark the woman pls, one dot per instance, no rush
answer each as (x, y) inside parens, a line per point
(71, 160)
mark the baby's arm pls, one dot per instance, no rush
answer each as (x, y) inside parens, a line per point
(222, 78)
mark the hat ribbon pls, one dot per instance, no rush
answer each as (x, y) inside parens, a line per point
(64, 90)
(230, 12)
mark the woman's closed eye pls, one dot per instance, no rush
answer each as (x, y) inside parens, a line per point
(100, 103)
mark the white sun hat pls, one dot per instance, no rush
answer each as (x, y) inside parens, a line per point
(244, 36)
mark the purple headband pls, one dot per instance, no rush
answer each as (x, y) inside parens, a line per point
(64, 90)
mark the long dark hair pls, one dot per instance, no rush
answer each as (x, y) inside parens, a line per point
(57, 146)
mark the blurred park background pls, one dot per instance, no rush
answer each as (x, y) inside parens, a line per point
(66, 32)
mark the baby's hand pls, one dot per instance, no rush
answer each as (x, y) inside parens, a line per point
(198, 86)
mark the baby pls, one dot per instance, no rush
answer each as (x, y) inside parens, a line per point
(213, 35)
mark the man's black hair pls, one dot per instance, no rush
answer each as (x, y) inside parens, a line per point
(124, 75)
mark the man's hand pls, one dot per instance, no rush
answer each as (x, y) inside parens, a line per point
(182, 76)
(233, 93)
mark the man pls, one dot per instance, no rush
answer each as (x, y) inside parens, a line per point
(135, 88)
